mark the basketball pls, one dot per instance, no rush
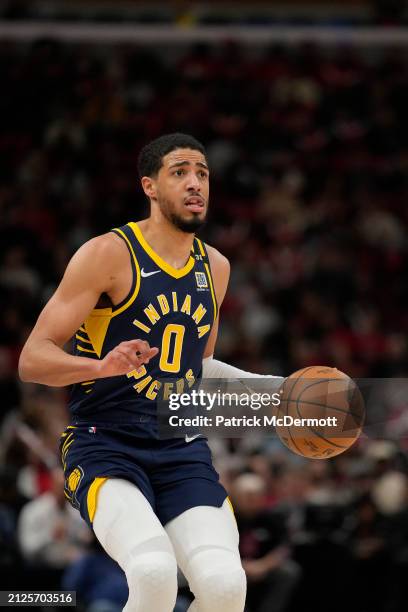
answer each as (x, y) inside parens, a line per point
(323, 410)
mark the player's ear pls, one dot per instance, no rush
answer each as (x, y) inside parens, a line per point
(149, 187)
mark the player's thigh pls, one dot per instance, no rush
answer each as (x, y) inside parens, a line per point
(125, 522)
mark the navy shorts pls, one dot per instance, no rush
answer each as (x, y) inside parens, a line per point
(173, 475)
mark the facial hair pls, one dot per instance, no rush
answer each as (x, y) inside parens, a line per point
(188, 226)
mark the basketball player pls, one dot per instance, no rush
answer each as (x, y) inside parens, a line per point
(141, 303)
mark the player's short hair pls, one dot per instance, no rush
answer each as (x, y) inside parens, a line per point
(150, 158)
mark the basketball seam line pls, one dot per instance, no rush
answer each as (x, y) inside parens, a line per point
(289, 395)
(314, 431)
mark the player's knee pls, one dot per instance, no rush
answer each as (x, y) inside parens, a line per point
(153, 576)
(225, 592)
(220, 586)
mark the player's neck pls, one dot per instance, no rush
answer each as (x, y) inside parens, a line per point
(173, 245)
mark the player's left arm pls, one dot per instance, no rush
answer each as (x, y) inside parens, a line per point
(220, 272)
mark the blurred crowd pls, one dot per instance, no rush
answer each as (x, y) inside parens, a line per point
(188, 13)
(308, 149)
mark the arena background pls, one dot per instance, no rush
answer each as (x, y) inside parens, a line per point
(303, 111)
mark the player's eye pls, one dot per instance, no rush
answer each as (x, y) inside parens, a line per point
(179, 172)
(203, 174)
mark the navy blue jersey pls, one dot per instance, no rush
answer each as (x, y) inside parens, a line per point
(171, 309)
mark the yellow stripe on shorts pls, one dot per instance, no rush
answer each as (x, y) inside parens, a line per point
(92, 497)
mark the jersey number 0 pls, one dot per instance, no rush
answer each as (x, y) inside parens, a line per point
(172, 335)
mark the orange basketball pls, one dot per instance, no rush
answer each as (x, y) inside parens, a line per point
(323, 410)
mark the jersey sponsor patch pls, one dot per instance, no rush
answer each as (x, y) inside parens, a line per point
(201, 280)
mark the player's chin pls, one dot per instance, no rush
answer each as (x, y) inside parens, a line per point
(191, 222)
(197, 217)
(195, 214)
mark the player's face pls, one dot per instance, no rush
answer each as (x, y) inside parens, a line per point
(182, 189)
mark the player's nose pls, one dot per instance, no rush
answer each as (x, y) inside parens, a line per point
(193, 183)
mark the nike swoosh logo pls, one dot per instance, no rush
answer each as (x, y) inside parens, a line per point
(146, 274)
(191, 438)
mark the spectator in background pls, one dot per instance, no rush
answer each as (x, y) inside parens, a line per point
(16, 274)
(11, 502)
(99, 582)
(367, 541)
(272, 575)
(51, 534)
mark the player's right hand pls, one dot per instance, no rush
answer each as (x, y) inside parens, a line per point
(125, 357)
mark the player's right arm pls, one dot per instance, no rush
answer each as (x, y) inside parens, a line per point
(92, 271)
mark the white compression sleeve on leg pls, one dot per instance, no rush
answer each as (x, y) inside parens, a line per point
(132, 535)
(212, 368)
(205, 540)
